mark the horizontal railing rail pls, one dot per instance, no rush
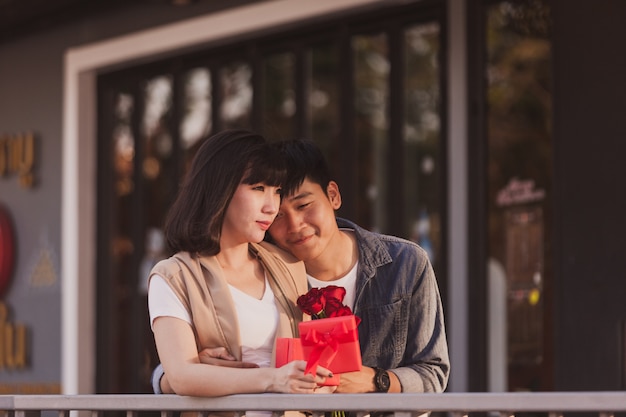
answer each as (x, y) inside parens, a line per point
(604, 404)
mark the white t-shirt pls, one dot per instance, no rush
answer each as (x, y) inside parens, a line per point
(258, 319)
(348, 281)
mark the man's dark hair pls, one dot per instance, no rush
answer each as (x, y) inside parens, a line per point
(223, 161)
(304, 159)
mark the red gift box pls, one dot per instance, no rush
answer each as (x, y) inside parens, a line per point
(332, 343)
(290, 349)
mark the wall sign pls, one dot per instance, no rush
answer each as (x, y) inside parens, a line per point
(17, 157)
(7, 249)
(12, 335)
(519, 192)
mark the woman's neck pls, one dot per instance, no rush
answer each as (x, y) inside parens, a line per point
(242, 270)
(234, 257)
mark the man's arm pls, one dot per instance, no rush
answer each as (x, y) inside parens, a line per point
(427, 348)
(216, 356)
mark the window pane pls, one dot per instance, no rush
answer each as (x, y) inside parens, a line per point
(196, 119)
(519, 184)
(124, 184)
(236, 93)
(157, 166)
(123, 145)
(422, 137)
(279, 96)
(371, 101)
(323, 100)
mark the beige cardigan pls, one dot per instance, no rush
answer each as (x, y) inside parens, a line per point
(199, 284)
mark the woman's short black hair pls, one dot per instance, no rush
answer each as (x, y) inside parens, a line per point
(222, 162)
(303, 159)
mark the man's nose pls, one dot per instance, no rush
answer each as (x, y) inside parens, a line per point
(293, 222)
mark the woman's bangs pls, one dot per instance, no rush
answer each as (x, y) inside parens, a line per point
(268, 169)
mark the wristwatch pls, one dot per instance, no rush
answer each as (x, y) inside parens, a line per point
(381, 380)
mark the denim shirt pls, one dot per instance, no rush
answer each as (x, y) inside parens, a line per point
(402, 321)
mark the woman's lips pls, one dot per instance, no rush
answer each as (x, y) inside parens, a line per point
(264, 225)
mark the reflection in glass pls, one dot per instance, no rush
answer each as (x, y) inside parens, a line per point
(236, 93)
(123, 145)
(279, 96)
(121, 247)
(323, 100)
(519, 102)
(196, 113)
(422, 137)
(157, 164)
(371, 101)
(124, 170)
(158, 100)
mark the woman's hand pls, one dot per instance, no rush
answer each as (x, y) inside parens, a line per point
(291, 378)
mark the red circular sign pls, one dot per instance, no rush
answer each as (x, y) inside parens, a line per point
(7, 249)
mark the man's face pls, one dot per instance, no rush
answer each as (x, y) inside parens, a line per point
(306, 223)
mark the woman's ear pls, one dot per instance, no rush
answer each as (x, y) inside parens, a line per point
(334, 196)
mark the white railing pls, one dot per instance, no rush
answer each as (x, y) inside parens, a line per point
(604, 404)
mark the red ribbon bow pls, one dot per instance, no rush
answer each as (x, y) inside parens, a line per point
(323, 341)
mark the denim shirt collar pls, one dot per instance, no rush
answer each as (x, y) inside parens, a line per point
(372, 252)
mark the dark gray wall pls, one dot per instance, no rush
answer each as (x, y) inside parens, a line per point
(590, 149)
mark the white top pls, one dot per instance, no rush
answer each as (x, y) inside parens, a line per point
(258, 322)
(258, 319)
(348, 281)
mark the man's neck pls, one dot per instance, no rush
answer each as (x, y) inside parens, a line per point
(337, 260)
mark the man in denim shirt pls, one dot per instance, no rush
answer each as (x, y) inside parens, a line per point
(389, 281)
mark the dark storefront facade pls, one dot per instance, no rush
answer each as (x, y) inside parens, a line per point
(444, 122)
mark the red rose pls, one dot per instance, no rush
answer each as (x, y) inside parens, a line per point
(342, 311)
(313, 302)
(333, 291)
(333, 306)
(321, 303)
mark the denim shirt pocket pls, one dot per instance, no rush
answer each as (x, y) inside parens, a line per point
(385, 334)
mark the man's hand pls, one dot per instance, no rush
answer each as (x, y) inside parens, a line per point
(358, 381)
(363, 381)
(220, 357)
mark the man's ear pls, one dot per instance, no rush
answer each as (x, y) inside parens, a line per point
(334, 196)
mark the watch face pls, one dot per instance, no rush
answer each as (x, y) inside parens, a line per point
(382, 381)
(385, 381)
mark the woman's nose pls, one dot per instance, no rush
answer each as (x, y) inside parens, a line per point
(272, 202)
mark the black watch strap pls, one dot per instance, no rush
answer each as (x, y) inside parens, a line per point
(381, 380)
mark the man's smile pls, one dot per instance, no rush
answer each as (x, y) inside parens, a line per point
(300, 240)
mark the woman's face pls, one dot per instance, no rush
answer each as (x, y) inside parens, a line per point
(250, 213)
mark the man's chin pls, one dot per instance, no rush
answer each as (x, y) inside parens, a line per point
(303, 255)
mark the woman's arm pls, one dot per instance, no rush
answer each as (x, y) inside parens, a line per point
(187, 376)
(215, 356)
